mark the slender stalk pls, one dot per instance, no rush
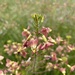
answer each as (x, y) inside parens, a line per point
(35, 57)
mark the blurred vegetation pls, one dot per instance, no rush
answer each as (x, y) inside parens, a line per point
(15, 15)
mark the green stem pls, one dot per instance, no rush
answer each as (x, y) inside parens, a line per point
(35, 57)
(36, 22)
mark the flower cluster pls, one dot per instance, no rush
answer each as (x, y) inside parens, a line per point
(58, 57)
(55, 51)
(15, 48)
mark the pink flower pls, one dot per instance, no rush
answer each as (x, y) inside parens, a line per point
(59, 49)
(45, 31)
(59, 39)
(72, 68)
(25, 33)
(51, 40)
(8, 63)
(70, 48)
(23, 53)
(31, 43)
(1, 72)
(53, 56)
(45, 45)
(63, 70)
(26, 44)
(40, 45)
(12, 66)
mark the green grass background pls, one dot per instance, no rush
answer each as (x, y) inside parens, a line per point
(16, 15)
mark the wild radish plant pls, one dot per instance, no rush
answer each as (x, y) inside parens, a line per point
(38, 53)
